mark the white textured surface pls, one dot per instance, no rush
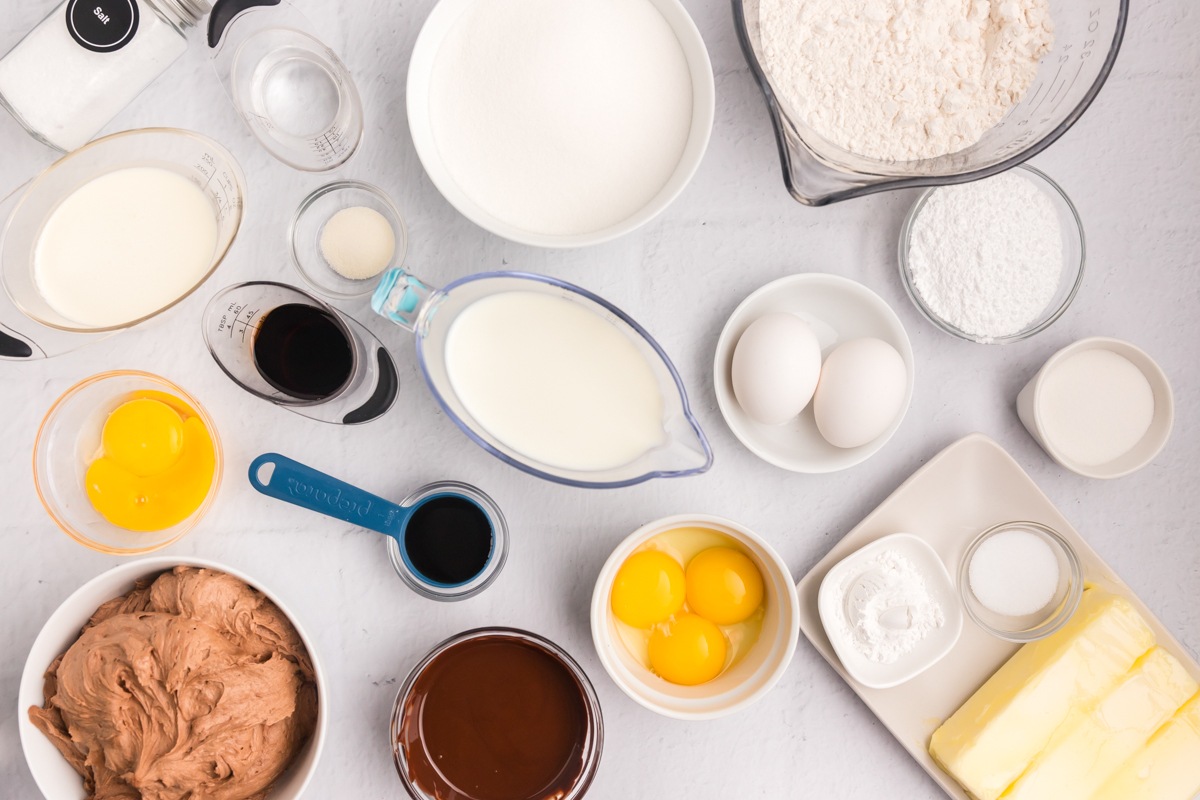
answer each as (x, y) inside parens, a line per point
(1132, 165)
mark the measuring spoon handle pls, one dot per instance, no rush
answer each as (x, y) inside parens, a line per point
(295, 483)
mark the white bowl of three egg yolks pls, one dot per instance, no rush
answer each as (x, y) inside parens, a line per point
(695, 616)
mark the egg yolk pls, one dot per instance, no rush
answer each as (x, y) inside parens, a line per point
(723, 585)
(648, 589)
(137, 484)
(144, 436)
(687, 651)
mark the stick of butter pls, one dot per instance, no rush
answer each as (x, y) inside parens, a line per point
(1079, 758)
(1167, 768)
(998, 732)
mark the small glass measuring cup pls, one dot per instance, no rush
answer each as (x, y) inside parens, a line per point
(292, 482)
(429, 313)
(231, 321)
(294, 93)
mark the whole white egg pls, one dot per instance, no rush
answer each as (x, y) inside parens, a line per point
(776, 366)
(861, 392)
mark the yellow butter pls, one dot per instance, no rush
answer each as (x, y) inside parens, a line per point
(1167, 768)
(998, 732)
(1081, 756)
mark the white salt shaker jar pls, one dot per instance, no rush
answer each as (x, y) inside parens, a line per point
(87, 60)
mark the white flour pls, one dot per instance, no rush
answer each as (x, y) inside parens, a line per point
(886, 609)
(561, 118)
(900, 80)
(987, 256)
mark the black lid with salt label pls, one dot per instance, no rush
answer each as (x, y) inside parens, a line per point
(102, 26)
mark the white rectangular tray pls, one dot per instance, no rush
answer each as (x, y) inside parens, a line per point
(970, 486)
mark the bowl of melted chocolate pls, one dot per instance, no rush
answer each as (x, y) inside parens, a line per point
(497, 714)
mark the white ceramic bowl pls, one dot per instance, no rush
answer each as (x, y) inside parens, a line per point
(54, 776)
(420, 70)
(733, 690)
(838, 310)
(929, 650)
(1151, 443)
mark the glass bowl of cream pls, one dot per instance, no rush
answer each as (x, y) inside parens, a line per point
(1020, 581)
(119, 231)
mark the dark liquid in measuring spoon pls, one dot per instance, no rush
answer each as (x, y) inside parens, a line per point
(302, 351)
(448, 540)
(502, 719)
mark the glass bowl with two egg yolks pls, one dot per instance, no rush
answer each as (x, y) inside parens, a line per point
(155, 467)
(689, 605)
(126, 462)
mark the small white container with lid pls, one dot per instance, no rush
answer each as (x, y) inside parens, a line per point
(87, 60)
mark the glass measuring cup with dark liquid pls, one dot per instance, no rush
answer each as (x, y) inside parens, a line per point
(447, 541)
(284, 345)
(302, 351)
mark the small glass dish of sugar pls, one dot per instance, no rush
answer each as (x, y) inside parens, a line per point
(1020, 581)
(343, 261)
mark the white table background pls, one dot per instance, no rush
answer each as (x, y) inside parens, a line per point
(1132, 166)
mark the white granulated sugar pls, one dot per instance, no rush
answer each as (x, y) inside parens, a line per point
(900, 80)
(561, 118)
(987, 256)
(1014, 573)
(886, 610)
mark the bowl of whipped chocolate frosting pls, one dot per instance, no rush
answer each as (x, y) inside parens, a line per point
(172, 677)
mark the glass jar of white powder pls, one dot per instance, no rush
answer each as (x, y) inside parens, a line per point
(87, 60)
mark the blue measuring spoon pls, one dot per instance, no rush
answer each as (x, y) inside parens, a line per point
(284, 479)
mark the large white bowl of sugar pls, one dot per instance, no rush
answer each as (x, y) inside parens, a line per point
(560, 124)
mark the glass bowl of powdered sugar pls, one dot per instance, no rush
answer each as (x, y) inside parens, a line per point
(994, 261)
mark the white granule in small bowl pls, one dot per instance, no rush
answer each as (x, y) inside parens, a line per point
(358, 243)
(986, 257)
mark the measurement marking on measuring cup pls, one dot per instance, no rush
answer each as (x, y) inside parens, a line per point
(232, 327)
(1078, 72)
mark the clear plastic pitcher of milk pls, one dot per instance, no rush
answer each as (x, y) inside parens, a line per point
(294, 93)
(549, 378)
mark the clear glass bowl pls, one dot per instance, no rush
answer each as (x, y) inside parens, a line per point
(593, 745)
(1087, 37)
(1049, 619)
(308, 224)
(486, 577)
(198, 158)
(65, 447)
(1074, 257)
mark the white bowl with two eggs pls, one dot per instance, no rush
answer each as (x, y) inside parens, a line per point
(838, 311)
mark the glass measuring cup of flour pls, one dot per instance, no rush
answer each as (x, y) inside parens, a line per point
(1087, 37)
(29, 327)
(430, 313)
(294, 93)
(284, 479)
(231, 321)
